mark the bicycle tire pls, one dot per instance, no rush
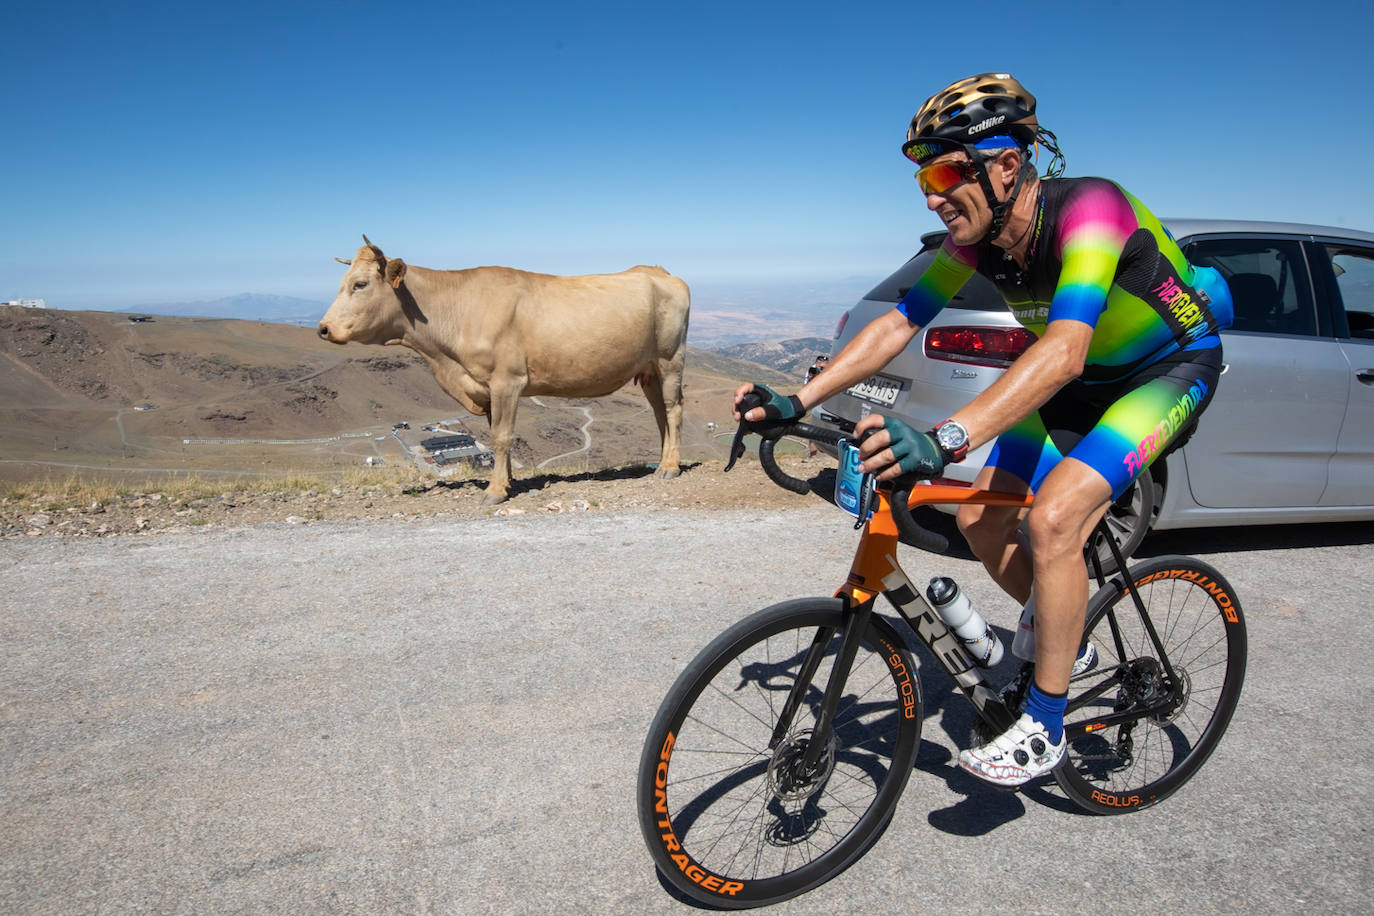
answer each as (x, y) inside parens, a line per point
(1139, 763)
(720, 819)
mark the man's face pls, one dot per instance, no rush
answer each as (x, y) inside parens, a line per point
(953, 193)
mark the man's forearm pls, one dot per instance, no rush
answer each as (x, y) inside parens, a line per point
(876, 345)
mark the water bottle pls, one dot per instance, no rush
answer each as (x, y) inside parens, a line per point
(967, 624)
(1023, 646)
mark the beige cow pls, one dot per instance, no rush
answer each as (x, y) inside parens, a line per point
(493, 334)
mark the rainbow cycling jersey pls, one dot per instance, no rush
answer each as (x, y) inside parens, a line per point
(1096, 256)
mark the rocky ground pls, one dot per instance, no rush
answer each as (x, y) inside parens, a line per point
(132, 511)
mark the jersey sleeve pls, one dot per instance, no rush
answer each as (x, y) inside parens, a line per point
(945, 276)
(1093, 230)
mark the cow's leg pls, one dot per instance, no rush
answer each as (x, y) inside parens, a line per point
(502, 418)
(664, 394)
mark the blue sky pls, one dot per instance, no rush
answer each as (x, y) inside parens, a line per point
(158, 152)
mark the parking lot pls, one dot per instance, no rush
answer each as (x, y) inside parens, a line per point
(445, 715)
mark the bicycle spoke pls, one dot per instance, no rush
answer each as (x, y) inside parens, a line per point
(753, 814)
(1173, 724)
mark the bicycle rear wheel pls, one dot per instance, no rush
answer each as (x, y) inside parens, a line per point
(731, 821)
(1135, 735)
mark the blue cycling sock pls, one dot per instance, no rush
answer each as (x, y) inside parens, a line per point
(1048, 710)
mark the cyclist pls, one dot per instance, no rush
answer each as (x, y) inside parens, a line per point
(1127, 355)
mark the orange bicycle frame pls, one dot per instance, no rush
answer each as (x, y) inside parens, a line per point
(875, 559)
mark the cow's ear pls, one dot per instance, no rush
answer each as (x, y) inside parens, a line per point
(395, 272)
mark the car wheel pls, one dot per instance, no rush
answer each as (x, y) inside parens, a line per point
(1128, 519)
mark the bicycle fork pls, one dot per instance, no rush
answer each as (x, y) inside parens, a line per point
(855, 625)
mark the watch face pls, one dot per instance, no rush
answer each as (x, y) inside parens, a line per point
(952, 436)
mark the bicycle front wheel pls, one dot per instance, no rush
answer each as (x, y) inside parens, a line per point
(730, 814)
(1138, 728)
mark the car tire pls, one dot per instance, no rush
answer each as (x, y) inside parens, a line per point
(1129, 519)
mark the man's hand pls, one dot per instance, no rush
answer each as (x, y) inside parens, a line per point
(775, 406)
(895, 449)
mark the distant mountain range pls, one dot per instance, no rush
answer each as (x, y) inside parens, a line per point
(247, 307)
(790, 357)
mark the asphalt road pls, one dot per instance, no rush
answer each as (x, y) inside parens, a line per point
(446, 715)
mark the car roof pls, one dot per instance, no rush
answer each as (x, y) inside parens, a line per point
(1185, 227)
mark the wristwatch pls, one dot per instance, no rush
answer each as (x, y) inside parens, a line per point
(953, 440)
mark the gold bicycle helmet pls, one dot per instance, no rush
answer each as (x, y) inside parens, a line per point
(971, 112)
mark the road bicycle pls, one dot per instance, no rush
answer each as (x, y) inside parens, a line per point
(778, 756)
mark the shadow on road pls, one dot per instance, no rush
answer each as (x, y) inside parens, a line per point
(537, 482)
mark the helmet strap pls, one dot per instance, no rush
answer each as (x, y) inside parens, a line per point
(1000, 208)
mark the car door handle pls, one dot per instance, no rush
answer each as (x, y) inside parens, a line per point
(1365, 375)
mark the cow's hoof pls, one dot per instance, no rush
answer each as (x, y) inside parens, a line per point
(493, 499)
(668, 473)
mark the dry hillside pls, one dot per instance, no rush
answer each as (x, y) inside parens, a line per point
(95, 393)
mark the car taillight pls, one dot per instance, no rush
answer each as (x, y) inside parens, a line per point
(978, 346)
(839, 325)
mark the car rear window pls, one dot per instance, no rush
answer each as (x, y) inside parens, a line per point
(978, 293)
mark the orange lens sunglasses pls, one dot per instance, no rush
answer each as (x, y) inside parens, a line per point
(939, 177)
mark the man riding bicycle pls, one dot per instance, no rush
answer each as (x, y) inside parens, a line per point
(1128, 356)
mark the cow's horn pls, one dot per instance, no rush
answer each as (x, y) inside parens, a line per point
(342, 261)
(367, 241)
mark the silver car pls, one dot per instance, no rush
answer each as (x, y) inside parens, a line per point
(1289, 436)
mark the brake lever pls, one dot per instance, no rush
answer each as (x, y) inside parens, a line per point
(736, 447)
(868, 491)
(746, 404)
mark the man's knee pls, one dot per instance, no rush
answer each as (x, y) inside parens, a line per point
(1055, 527)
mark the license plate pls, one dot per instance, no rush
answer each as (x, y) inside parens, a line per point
(878, 390)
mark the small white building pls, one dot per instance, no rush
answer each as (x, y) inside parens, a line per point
(29, 303)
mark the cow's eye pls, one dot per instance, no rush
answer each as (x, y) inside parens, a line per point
(359, 285)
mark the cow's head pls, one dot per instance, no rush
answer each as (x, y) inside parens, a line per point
(371, 307)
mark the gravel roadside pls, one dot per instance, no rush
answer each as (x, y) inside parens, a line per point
(151, 511)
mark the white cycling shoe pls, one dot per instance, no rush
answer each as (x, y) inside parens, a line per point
(1086, 660)
(1014, 758)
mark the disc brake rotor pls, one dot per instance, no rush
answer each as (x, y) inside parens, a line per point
(788, 776)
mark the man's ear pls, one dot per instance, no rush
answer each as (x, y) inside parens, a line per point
(395, 272)
(1007, 166)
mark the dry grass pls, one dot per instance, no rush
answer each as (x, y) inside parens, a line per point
(56, 494)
